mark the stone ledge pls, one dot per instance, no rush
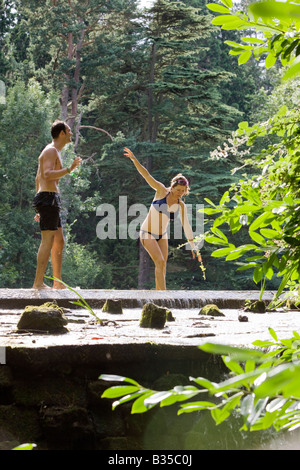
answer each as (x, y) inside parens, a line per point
(19, 298)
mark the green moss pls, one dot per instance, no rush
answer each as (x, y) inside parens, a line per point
(169, 316)
(112, 306)
(43, 318)
(211, 310)
(258, 306)
(153, 316)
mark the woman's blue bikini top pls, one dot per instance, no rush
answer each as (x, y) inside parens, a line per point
(161, 206)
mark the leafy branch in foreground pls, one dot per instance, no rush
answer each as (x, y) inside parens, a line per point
(263, 387)
(277, 24)
(267, 205)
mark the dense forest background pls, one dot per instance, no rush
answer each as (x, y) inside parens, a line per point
(159, 81)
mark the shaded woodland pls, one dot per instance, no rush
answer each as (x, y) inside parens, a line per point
(159, 81)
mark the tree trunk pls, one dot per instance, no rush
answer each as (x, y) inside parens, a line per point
(144, 259)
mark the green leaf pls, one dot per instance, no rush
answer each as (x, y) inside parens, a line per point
(269, 233)
(210, 202)
(140, 406)
(244, 57)
(258, 274)
(127, 398)
(205, 383)
(253, 40)
(215, 240)
(157, 397)
(280, 380)
(225, 19)
(219, 415)
(234, 366)
(244, 267)
(219, 233)
(227, 3)
(236, 353)
(196, 406)
(235, 254)
(234, 44)
(257, 238)
(25, 447)
(270, 60)
(273, 334)
(292, 71)
(217, 8)
(222, 252)
(243, 125)
(262, 221)
(179, 394)
(119, 391)
(117, 378)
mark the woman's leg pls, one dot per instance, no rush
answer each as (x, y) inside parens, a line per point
(152, 247)
(163, 244)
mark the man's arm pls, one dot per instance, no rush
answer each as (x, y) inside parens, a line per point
(37, 182)
(48, 162)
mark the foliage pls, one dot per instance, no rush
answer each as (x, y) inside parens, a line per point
(279, 23)
(154, 81)
(25, 447)
(268, 202)
(262, 387)
(25, 124)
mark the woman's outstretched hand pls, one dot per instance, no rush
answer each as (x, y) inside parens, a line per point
(128, 153)
(198, 254)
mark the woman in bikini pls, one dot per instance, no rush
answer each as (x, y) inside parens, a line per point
(166, 206)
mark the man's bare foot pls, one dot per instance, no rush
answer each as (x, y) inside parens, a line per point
(43, 286)
(58, 285)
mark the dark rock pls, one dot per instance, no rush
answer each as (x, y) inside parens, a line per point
(68, 428)
(48, 318)
(211, 310)
(242, 318)
(258, 306)
(153, 316)
(112, 306)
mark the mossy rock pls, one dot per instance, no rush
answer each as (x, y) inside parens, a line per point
(292, 304)
(54, 304)
(169, 316)
(43, 318)
(112, 306)
(211, 310)
(258, 306)
(153, 316)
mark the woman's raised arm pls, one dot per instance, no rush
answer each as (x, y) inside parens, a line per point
(143, 171)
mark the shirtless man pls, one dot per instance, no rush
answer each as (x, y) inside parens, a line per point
(47, 203)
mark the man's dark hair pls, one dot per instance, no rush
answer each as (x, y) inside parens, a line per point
(57, 127)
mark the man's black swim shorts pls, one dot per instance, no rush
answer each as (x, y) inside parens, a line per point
(48, 206)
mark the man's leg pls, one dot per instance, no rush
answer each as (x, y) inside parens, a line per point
(43, 258)
(56, 257)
